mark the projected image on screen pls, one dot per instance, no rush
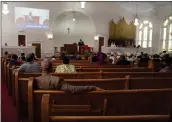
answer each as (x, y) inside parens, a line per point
(31, 17)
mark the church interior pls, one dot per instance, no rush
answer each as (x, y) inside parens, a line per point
(86, 61)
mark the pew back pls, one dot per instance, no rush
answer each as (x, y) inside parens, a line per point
(113, 103)
(47, 109)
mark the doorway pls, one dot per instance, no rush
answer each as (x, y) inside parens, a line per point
(101, 43)
(37, 49)
(21, 40)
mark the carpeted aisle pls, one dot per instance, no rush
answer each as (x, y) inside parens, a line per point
(8, 110)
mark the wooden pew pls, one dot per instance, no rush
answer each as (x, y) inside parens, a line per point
(47, 109)
(135, 74)
(2, 68)
(114, 69)
(21, 89)
(93, 75)
(149, 83)
(113, 102)
(79, 69)
(108, 84)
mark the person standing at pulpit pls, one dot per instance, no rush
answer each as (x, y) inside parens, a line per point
(81, 43)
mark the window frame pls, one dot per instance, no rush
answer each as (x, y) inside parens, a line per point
(141, 40)
(168, 38)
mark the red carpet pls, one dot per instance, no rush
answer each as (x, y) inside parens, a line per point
(8, 111)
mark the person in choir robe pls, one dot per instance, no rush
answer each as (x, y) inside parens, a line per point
(49, 82)
(113, 44)
(122, 61)
(65, 67)
(30, 65)
(14, 60)
(112, 59)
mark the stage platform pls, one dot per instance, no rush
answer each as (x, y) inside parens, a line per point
(124, 50)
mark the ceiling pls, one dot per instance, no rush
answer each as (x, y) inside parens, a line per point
(81, 25)
(143, 7)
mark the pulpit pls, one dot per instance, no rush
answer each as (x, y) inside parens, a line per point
(69, 48)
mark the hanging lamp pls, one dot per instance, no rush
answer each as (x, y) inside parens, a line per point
(5, 8)
(136, 20)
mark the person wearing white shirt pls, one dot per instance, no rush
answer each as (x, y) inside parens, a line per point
(113, 44)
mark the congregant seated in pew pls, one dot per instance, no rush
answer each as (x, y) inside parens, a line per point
(30, 66)
(6, 55)
(23, 57)
(65, 67)
(49, 82)
(122, 61)
(167, 63)
(14, 60)
(101, 58)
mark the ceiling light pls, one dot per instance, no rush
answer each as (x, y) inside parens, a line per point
(136, 20)
(82, 5)
(74, 19)
(5, 8)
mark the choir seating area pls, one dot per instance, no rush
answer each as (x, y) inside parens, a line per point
(132, 94)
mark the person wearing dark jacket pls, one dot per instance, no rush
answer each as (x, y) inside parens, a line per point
(49, 82)
(122, 61)
(14, 60)
(23, 57)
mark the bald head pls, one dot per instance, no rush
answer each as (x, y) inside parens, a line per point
(46, 65)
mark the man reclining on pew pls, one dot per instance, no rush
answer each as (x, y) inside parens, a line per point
(49, 82)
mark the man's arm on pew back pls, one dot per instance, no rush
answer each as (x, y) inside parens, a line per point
(77, 89)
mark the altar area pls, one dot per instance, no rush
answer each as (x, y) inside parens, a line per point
(18, 49)
(124, 50)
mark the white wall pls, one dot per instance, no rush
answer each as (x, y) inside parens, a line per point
(100, 13)
(157, 18)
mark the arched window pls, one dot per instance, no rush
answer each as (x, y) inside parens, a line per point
(167, 34)
(145, 34)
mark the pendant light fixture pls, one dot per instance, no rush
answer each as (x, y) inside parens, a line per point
(5, 8)
(136, 21)
(74, 16)
(82, 4)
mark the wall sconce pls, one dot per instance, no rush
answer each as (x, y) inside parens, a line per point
(96, 37)
(49, 35)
